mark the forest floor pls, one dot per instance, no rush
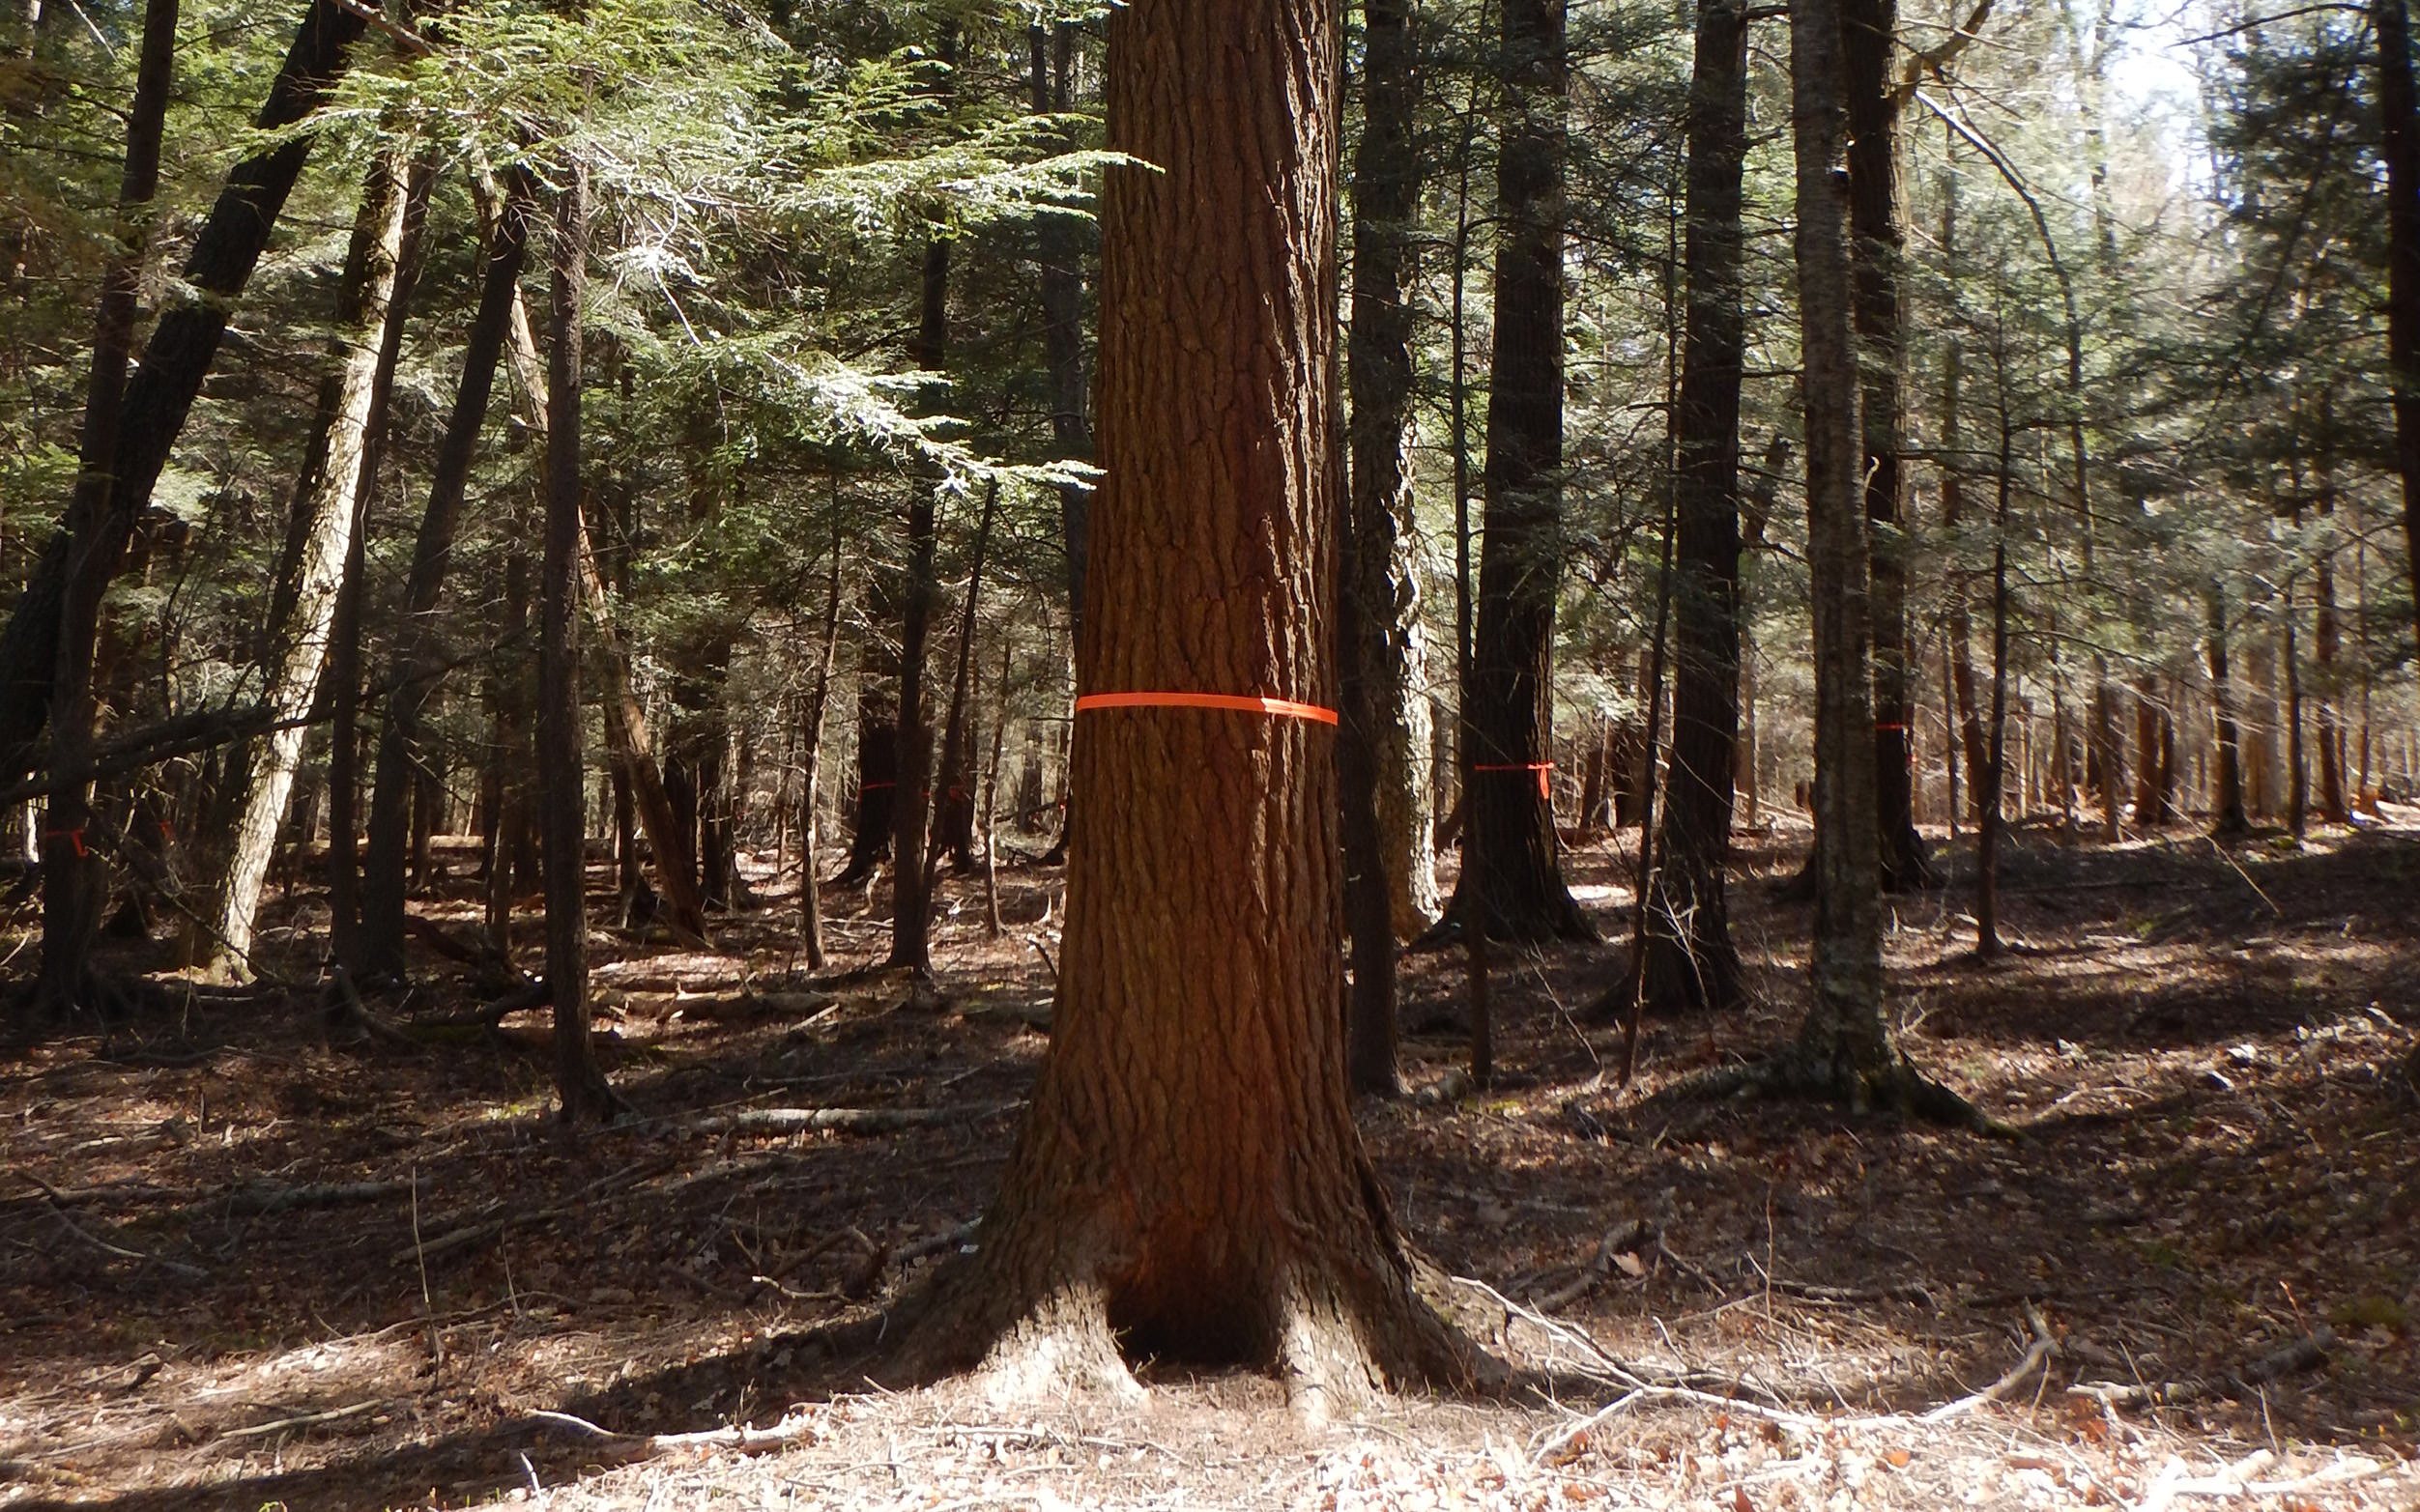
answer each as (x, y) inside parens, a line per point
(251, 1260)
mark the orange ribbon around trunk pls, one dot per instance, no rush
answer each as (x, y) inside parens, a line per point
(1541, 768)
(1280, 708)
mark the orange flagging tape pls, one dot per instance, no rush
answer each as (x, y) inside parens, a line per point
(1541, 768)
(73, 836)
(1282, 708)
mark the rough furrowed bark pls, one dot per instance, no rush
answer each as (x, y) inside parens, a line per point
(1879, 245)
(1389, 643)
(175, 360)
(1189, 1184)
(1690, 960)
(1844, 1028)
(1520, 568)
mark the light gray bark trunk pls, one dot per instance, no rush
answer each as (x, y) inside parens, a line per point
(301, 652)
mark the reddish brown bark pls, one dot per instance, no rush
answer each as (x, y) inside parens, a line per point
(1189, 1182)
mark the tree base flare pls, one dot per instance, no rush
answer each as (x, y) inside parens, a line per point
(1339, 1341)
(1803, 1071)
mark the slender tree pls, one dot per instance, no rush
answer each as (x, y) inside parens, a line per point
(413, 671)
(2400, 105)
(1690, 959)
(1189, 1182)
(562, 765)
(1869, 30)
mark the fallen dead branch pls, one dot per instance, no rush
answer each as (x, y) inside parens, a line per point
(305, 1420)
(2308, 1353)
(853, 1120)
(2175, 1480)
(626, 1448)
(492, 1220)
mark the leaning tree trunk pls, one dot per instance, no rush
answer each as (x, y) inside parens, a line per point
(74, 886)
(562, 765)
(221, 940)
(343, 674)
(2401, 112)
(627, 742)
(1690, 960)
(1878, 244)
(413, 671)
(1189, 1182)
(1510, 811)
(1386, 205)
(175, 360)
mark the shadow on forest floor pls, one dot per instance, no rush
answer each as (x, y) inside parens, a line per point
(242, 1263)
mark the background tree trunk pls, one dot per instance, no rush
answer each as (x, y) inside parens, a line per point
(911, 904)
(1844, 1039)
(222, 941)
(1690, 959)
(2400, 109)
(2227, 815)
(411, 675)
(1189, 1179)
(74, 884)
(1387, 177)
(1512, 700)
(1878, 244)
(561, 763)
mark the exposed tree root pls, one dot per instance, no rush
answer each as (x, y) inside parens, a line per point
(1339, 1336)
(1800, 1071)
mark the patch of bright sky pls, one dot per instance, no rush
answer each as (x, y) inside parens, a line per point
(2152, 79)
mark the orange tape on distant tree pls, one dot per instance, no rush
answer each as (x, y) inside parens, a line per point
(1280, 708)
(1541, 768)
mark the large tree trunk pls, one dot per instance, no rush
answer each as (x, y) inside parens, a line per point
(1189, 1182)
(2401, 108)
(562, 761)
(1521, 567)
(1390, 645)
(221, 940)
(1690, 959)
(174, 363)
(1879, 244)
(74, 885)
(1845, 1040)
(411, 671)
